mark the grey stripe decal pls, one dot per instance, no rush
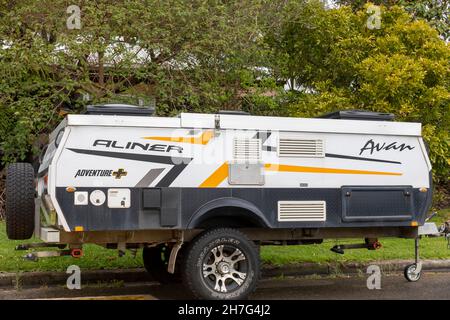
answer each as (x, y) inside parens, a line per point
(264, 136)
(149, 177)
(179, 163)
(135, 156)
(170, 176)
(340, 156)
(269, 148)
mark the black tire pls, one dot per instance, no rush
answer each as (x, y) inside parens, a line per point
(156, 261)
(20, 207)
(221, 264)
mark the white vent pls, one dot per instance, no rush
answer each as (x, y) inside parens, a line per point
(302, 211)
(246, 149)
(300, 148)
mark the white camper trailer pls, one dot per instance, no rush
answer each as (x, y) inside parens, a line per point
(200, 192)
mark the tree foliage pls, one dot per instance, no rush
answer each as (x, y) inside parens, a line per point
(339, 63)
(205, 55)
(188, 55)
(436, 12)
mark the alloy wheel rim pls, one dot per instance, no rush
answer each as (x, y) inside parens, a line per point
(413, 275)
(225, 268)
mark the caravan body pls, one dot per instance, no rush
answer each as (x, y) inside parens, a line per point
(118, 172)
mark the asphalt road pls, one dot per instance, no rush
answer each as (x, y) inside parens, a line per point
(431, 286)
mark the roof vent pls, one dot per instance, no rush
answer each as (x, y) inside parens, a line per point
(359, 115)
(233, 112)
(120, 110)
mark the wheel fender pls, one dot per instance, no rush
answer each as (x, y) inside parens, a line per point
(254, 212)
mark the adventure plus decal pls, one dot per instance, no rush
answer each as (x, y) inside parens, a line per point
(101, 173)
(371, 146)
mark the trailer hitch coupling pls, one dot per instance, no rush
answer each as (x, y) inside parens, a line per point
(76, 253)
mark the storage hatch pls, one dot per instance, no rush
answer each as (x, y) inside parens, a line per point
(377, 203)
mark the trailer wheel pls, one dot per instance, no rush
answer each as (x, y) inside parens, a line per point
(221, 264)
(20, 207)
(156, 261)
(410, 273)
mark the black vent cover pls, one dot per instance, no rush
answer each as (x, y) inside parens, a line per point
(120, 110)
(234, 112)
(359, 115)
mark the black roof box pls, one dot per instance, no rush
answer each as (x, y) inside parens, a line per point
(359, 115)
(234, 112)
(119, 110)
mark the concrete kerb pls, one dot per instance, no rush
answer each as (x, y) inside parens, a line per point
(36, 279)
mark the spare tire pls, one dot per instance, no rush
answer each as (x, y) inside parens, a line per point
(20, 206)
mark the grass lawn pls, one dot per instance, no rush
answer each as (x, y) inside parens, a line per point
(393, 248)
(96, 257)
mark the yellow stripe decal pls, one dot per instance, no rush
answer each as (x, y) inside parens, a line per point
(217, 177)
(288, 168)
(203, 139)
